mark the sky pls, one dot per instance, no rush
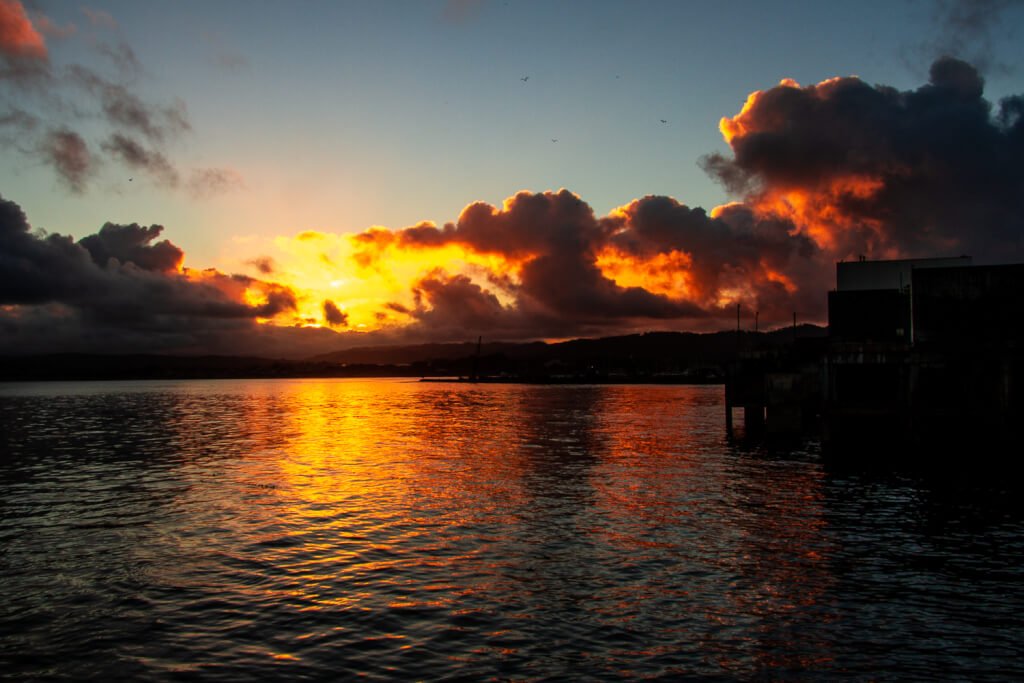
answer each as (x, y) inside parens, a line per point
(289, 178)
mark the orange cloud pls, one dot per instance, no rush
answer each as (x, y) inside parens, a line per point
(872, 170)
(543, 265)
(18, 37)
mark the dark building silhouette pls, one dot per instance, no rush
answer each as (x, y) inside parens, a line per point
(924, 355)
(871, 301)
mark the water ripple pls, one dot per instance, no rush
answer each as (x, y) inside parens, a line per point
(229, 530)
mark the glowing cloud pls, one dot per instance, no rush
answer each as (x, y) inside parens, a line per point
(871, 170)
(821, 172)
(19, 39)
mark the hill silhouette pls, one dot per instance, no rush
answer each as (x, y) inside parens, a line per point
(652, 356)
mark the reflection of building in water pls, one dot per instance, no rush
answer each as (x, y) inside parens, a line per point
(924, 352)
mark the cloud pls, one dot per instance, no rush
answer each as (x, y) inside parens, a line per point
(122, 290)
(733, 256)
(546, 276)
(19, 39)
(204, 183)
(126, 110)
(71, 117)
(100, 18)
(221, 54)
(264, 264)
(871, 170)
(20, 120)
(70, 157)
(334, 316)
(137, 157)
(46, 27)
(969, 29)
(822, 173)
(131, 244)
(552, 237)
(454, 305)
(123, 57)
(24, 58)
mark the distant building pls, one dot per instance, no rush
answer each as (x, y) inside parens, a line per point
(872, 299)
(895, 274)
(924, 351)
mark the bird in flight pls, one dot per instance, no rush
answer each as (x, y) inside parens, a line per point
(524, 79)
(130, 179)
(554, 139)
(663, 121)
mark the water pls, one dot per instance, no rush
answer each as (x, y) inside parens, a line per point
(319, 530)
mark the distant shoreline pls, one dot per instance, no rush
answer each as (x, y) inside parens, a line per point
(648, 358)
(681, 381)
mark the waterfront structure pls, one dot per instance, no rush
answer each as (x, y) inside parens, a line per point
(924, 356)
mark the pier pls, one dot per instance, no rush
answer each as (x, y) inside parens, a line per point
(924, 357)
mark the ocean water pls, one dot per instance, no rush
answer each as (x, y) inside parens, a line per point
(388, 529)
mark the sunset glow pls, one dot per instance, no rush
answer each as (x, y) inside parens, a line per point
(511, 340)
(667, 274)
(371, 282)
(818, 211)
(187, 211)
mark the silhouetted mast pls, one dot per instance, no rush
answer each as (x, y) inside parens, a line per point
(476, 359)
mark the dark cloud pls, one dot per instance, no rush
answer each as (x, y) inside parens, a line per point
(126, 110)
(123, 288)
(453, 303)
(334, 316)
(123, 58)
(555, 237)
(18, 119)
(137, 157)
(824, 172)
(264, 264)
(763, 261)
(67, 152)
(873, 170)
(398, 308)
(131, 244)
(72, 107)
(204, 183)
(552, 242)
(969, 29)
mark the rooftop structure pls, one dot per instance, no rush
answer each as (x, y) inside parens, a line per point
(895, 274)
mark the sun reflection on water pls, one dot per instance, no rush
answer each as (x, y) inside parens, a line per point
(391, 528)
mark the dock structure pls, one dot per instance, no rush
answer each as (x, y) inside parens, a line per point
(924, 357)
(777, 390)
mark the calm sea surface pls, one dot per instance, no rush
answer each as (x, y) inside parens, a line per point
(319, 530)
